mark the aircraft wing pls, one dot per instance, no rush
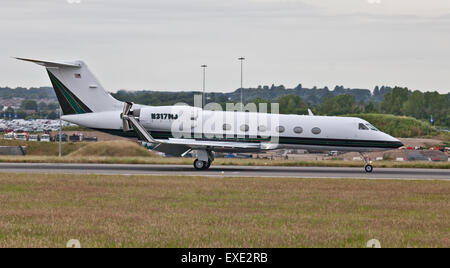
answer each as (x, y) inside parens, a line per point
(196, 144)
(179, 147)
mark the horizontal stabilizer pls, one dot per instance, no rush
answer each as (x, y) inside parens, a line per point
(53, 64)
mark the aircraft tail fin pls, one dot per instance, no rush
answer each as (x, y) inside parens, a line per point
(77, 89)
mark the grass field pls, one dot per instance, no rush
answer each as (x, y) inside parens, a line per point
(82, 149)
(145, 211)
(155, 160)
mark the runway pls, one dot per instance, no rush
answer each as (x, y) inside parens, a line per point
(230, 171)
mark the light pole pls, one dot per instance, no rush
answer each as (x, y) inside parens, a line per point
(60, 132)
(242, 82)
(204, 66)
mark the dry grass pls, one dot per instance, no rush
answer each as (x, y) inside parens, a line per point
(35, 148)
(112, 149)
(118, 148)
(157, 160)
(144, 211)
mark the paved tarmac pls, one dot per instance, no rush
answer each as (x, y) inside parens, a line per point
(230, 171)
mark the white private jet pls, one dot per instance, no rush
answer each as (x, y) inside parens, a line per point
(178, 130)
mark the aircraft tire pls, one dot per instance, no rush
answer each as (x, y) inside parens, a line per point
(208, 165)
(200, 165)
(368, 168)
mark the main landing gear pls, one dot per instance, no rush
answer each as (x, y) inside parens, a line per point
(368, 167)
(204, 160)
(201, 165)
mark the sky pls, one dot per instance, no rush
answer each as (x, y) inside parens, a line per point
(161, 44)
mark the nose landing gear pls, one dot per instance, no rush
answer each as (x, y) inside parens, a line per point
(368, 167)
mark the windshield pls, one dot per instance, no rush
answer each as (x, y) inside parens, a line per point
(371, 127)
(367, 126)
(363, 127)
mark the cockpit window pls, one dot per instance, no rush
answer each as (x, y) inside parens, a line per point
(363, 127)
(371, 127)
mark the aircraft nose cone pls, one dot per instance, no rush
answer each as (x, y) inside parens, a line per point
(394, 142)
(399, 144)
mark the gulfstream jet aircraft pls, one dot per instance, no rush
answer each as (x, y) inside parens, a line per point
(178, 130)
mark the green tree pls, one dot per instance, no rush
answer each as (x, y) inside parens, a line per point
(29, 105)
(426, 105)
(291, 104)
(339, 105)
(371, 107)
(42, 106)
(52, 106)
(393, 101)
(21, 114)
(415, 105)
(438, 106)
(52, 115)
(10, 111)
(258, 101)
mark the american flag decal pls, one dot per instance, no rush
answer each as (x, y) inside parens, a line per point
(77, 75)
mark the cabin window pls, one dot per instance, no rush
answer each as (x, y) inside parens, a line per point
(316, 131)
(226, 127)
(298, 130)
(262, 128)
(245, 128)
(363, 127)
(280, 129)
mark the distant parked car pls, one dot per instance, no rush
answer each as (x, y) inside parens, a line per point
(34, 138)
(244, 156)
(63, 137)
(333, 153)
(90, 139)
(21, 136)
(9, 136)
(45, 138)
(76, 137)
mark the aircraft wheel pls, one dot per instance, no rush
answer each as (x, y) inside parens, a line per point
(208, 165)
(200, 165)
(368, 168)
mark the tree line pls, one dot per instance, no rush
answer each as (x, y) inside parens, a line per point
(424, 106)
(31, 109)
